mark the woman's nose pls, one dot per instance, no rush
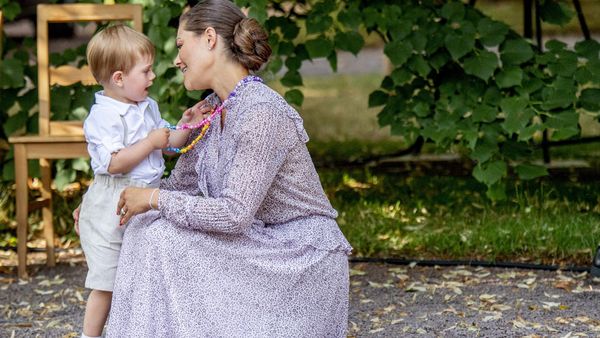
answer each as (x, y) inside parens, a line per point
(177, 60)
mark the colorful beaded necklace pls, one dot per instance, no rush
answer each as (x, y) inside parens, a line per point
(205, 123)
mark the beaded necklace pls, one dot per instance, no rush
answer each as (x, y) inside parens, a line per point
(205, 123)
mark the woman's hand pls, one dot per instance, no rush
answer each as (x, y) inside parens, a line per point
(76, 218)
(134, 201)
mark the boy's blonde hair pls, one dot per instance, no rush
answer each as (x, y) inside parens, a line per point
(116, 48)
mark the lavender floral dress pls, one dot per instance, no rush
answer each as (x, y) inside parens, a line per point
(244, 243)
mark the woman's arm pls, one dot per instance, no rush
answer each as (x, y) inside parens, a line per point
(264, 142)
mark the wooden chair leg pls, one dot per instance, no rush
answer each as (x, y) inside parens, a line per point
(46, 171)
(22, 201)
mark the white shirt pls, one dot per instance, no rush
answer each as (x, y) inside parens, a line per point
(104, 133)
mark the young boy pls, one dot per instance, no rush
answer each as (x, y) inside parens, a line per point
(125, 135)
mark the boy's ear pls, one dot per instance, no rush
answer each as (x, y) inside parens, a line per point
(117, 78)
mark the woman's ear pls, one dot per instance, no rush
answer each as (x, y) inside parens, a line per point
(211, 37)
(117, 78)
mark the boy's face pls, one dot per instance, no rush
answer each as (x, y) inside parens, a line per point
(138, 80)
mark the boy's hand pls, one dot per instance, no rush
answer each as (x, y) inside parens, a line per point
(197, 113)
(76, 218)
(159, 138)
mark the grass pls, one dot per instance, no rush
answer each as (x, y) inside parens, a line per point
(428, 216)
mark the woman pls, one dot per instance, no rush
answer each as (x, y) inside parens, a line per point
(241, 239)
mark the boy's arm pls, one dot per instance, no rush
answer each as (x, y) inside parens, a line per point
(128, 158)
(193, 115)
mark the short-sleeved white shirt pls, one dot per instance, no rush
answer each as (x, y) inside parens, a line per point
(104, 133)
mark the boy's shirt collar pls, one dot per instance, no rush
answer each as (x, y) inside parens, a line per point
(120, 107)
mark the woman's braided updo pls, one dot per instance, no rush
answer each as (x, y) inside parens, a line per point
(245, 39)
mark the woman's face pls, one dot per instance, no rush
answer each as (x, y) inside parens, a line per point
(195, 59)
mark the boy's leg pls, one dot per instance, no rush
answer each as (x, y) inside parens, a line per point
(96, 312)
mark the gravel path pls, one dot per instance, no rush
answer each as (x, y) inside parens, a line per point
(386, 301)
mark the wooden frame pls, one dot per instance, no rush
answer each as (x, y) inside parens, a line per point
(56, 139)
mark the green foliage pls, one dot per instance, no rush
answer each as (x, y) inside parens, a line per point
(474, 82)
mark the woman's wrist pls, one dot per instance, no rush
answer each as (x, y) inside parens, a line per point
(153, 200)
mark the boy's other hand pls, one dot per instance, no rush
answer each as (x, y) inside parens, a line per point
(76, 218)
(159, 138)
(196, 113)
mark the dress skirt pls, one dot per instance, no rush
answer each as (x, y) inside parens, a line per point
(176, 282)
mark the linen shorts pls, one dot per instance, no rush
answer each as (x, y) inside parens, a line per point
(99, 230)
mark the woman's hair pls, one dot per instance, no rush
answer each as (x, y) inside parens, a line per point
(116, 48)
(245, 39)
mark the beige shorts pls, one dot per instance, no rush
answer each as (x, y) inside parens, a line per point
(99, 229)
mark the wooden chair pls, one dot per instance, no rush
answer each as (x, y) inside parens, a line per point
(56, 139)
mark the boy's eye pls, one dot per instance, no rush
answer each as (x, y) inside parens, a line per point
(179, 46)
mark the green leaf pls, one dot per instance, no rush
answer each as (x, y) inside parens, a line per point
(292, 78)
(422, 109)
(516, 114)
(497, 191)
(583, 75)
(11, 10)
(484, 113)
(371, 16)
(555, 45)
(401, 75)
(14, 123)
(531, 85)
(161, 17)
(295, 97)
(400, 29)
(289, 29)
(481, 65)
(350, 41)
(350, 17)
(491, 33)
(590, 99)
(275, 64)
(556, 12)
(418, 64)
(565, 65)
(515, 52)
(453, 10)
(80, 164)
(398, 52)
(560, 94)
(258, 10)
(566, 124)
(418, 39)
(378, 98)
(490, 173)
(589, 49)
(530, 171)
(509, 77)
(439, 59)
(459, 44)
(11, 74)
(484, 150)
(293, 63)
(319, 47)
(332, 58)
(317, 23)
(64, 177)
